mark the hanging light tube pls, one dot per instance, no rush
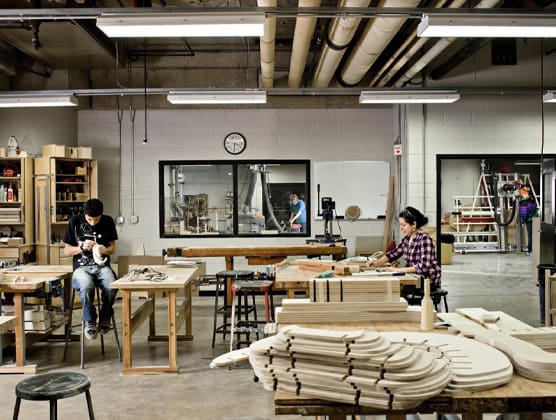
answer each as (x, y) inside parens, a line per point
(217, 97)
(408, 97)
(36, 101)
(174, 25)
(486, 27)
(549, 97)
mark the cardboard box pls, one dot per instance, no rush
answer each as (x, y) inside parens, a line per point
(15, 241)
(79, 170)
(84, 152)
(55, 150)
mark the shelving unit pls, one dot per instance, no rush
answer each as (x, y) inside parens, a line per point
(62, 185)
(16, 208)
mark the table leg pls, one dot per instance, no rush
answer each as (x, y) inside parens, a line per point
(126, 316)
(152, 317)
(229, 267)
(172, 333)
(188, 311)
(19, 330)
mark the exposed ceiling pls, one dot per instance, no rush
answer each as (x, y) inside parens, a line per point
(55, 45)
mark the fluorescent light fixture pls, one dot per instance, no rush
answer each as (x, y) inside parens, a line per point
(408, 97)
(35, 101)
(217, 97)
(174, 25)
(549, 97)
(487, 27)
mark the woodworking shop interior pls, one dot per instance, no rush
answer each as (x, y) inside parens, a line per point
(269, 167)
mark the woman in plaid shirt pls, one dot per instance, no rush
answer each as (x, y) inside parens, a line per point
(416, 247)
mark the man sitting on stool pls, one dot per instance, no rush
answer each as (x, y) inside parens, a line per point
(90, 239)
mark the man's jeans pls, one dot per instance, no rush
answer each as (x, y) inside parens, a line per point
(84, 281)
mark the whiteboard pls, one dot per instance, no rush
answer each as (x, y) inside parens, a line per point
(360, 183)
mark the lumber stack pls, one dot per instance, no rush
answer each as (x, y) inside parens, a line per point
(349, 299)
(349, 289)
(304, 311)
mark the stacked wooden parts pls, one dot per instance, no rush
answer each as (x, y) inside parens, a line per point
(389, 371)
(349, 299)
(508, 335)
(356, 367)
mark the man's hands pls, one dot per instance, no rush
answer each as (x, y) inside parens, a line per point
(86, 245)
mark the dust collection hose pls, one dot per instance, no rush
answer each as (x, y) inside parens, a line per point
(272, 217)
(250, 191)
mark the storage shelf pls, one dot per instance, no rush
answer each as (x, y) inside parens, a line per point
(10, 178)
(71, 183)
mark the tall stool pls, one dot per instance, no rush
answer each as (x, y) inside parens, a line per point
(53, 387)
(224, 308)
(246, 326)
(82, 335)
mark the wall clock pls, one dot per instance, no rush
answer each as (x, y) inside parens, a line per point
(235, 143)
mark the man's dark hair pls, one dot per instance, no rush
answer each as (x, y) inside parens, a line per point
(93, 207)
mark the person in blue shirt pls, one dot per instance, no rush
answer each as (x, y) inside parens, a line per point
(298, 214)
(527, 210)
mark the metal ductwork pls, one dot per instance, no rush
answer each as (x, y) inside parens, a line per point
(339, 37)
(304, 30)
(378, 33)
(440, 46)
(267, 45)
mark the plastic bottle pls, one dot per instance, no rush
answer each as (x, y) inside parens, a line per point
(1, 192)
(10, 194)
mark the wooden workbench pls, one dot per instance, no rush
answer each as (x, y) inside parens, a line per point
(520, 395)
(179, 278)
(29, 279)
(260, 255)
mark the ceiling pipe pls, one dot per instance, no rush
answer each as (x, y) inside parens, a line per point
(268, 45)
(338, 39)
(437, 48)
(304, 29)
(395, 63)
(377, 34)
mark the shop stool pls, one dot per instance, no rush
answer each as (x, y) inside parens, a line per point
(82, 335)
(53, 387)
(246, 326)
(224, 308)
(437, 296)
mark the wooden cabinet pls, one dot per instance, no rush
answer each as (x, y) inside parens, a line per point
(62, 185)
(16, 209)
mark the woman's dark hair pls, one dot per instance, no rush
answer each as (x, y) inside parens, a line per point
(411, 215)
(93, 207)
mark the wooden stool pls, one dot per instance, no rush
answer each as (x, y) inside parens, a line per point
(245, 288)
(53, 387)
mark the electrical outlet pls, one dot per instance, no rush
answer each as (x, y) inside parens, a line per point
(120, 220)
(134, 219)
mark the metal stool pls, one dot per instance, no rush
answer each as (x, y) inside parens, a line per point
(82, 335)
(53, 387)
(246, 326)
(224, 308)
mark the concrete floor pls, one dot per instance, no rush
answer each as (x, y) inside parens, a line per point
(492, 281)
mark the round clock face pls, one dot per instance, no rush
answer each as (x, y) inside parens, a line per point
(235, 143)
